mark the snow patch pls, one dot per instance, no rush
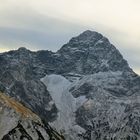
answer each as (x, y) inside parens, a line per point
(58, 86)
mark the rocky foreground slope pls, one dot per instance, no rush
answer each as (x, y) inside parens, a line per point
(86, 90)
(19, 123)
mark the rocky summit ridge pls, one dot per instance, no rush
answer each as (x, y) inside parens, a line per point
(86, 90)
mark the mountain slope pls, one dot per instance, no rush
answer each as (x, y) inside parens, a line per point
(86, 90)
(18, 122)
(91, 52)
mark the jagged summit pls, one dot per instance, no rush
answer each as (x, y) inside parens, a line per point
(88, 53)
(88, 36)
(86, 41)
(91, 52)
(20, 53)
(89, 32)
(24, 52)
(23, 49)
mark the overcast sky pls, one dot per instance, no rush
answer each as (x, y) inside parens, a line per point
(48, 24)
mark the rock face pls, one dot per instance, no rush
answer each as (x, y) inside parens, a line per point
(20, 123)
(86, 90)
(18, 78)
(90, 53)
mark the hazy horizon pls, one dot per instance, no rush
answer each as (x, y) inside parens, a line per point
(48, 25)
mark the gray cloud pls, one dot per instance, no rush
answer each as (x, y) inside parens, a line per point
(37, 31)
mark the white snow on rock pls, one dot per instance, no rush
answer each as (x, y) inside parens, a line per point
(58, 87)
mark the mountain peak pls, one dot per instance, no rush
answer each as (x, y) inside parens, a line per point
(88, 33)
(87, 37)
(93, 53)
(22, 49)
(86, 91)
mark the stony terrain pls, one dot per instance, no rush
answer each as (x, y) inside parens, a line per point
(86, 90)
(19, 123)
